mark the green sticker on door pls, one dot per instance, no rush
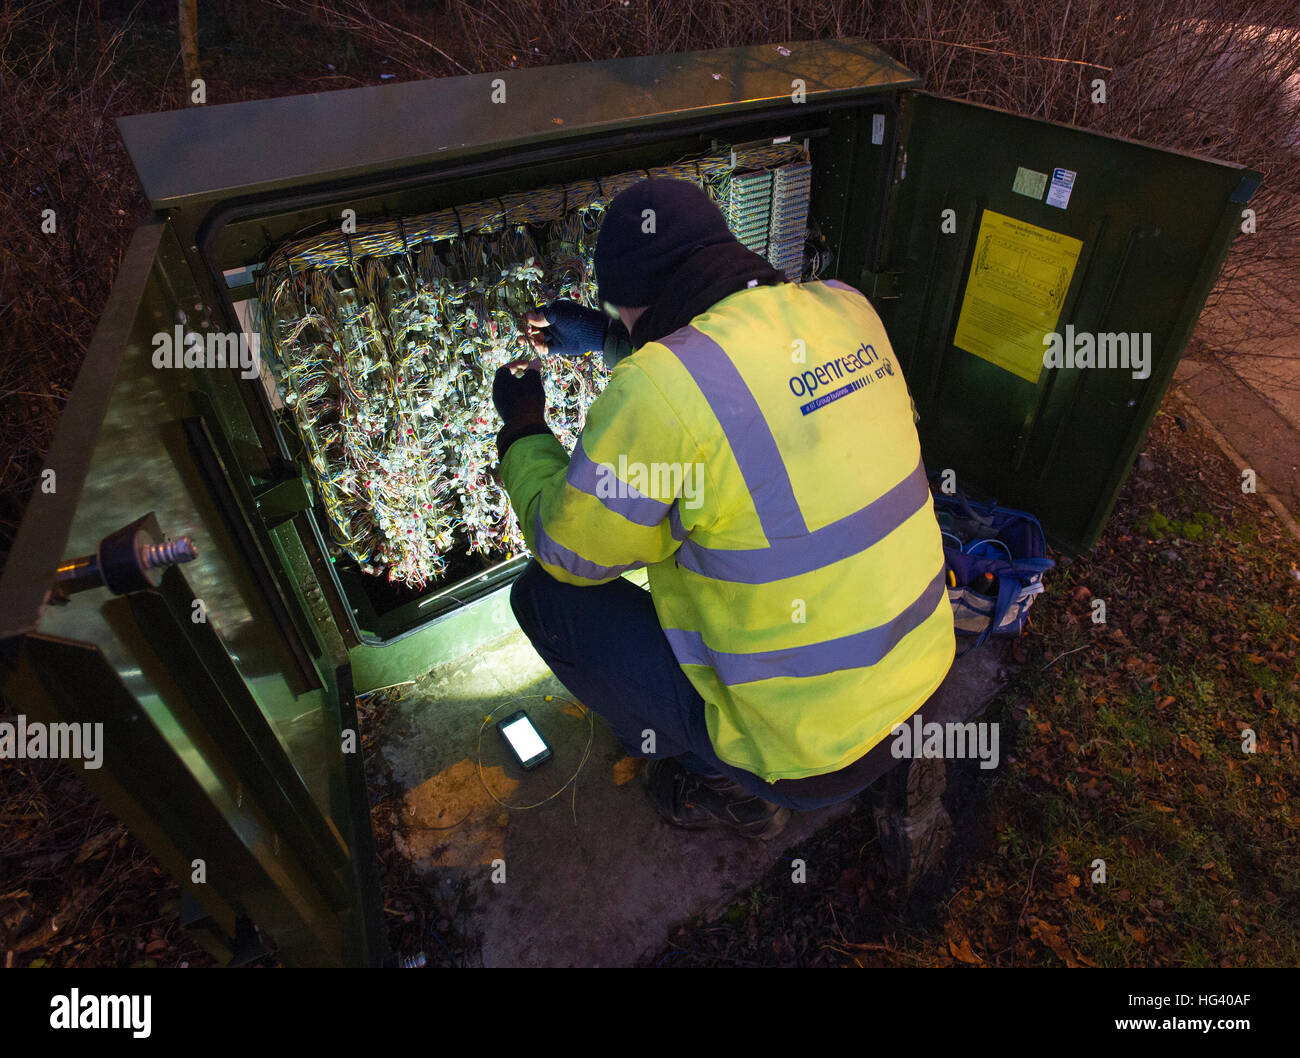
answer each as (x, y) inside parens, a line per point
(1014, 293)
(1029, 182)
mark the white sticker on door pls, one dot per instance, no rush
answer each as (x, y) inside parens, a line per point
(1062, 184)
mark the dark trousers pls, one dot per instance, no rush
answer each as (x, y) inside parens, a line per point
(605, 644)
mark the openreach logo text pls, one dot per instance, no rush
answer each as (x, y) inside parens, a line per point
(75, 1011)
(37, 741)
(807, 382)
(216, 349)
(916, 739)
(1126, 351)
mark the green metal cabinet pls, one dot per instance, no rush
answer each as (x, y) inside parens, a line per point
(227, 738)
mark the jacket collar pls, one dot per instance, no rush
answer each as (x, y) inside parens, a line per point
(707, 276)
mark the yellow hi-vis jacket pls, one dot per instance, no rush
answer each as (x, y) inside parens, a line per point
(763, 462)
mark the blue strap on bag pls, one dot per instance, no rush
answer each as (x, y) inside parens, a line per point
(996, 558)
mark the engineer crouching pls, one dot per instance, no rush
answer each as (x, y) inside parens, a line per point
(755, 449)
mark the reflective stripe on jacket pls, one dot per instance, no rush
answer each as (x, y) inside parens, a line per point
(763, 463)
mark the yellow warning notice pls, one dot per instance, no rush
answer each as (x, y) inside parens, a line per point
(1014, 293)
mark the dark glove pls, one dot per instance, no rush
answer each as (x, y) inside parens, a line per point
(519, 398)
(521, 403)
(572, 330)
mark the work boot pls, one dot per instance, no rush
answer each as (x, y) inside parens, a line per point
(698, 802)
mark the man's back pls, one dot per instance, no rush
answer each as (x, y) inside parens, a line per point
(806, 600)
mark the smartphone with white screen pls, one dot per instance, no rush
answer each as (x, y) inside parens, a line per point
(529, 748)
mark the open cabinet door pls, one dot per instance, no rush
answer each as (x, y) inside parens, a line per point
(1007, 230)
(217, 715)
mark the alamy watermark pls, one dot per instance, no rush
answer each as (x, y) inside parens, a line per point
(655, 480)
(916, 739)
(1127, 351)
(93, 1011)
(38, 741)
(216, 349)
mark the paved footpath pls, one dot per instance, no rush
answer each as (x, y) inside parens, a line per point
(1251, 395)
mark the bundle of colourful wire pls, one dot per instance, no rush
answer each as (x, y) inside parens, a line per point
(385, 341)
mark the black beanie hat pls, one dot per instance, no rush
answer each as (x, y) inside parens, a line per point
(637, 252)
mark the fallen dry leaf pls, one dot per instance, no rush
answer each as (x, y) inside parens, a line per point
(627, 769)
(1049, 935)
(961, 950)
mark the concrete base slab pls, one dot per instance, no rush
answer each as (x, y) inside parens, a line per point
(591, 877)
(583, 872)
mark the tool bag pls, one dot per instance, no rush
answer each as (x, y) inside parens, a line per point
(995, 559)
